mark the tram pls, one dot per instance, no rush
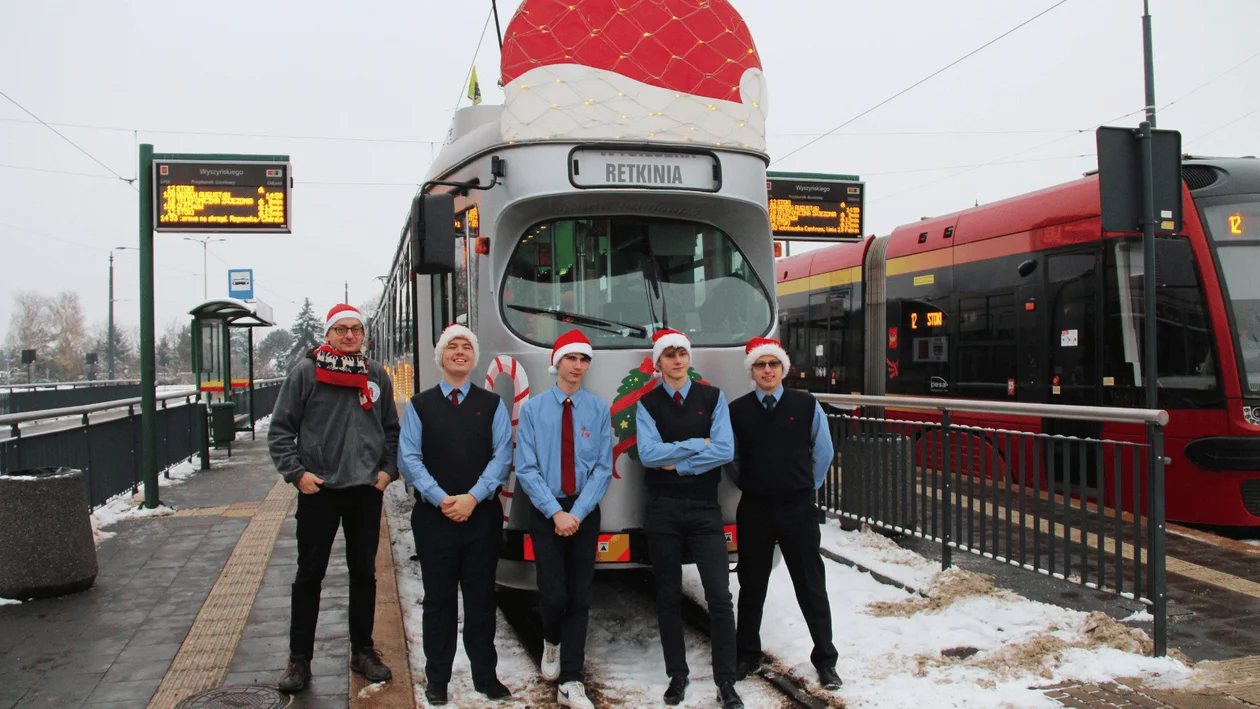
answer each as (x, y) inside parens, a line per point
(1028, 299)
(575, 206)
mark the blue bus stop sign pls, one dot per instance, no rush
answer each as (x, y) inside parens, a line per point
(241, 284)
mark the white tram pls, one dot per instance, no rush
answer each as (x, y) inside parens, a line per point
(618, 236)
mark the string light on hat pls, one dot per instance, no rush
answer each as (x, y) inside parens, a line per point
(661, 70)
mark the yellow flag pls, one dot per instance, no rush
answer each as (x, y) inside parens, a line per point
(474, 88)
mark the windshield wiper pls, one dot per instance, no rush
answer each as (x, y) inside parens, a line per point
(598, 323)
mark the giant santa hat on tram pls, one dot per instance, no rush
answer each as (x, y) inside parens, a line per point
(676, 71)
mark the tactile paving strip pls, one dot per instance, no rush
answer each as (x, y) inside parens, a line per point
(202, 661)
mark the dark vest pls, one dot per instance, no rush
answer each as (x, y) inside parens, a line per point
(457, 441)
(774, 449)
(678, 423)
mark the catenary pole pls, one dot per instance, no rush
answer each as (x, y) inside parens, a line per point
(148, 370)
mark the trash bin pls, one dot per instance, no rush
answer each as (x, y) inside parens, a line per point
(46, 545)
(878, 477)
(222, 422)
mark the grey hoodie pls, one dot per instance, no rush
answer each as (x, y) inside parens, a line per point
(322, 429)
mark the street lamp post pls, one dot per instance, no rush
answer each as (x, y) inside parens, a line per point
(109, 345)
(205, 241)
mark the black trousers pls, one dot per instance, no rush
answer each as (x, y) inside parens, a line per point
(675, 525)
(357, 510)
(795, 525)
(457, 556)
(565, 568)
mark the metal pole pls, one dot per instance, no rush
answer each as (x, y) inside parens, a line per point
(252, 435)
(109, 346)
(1150, 62)
(947, 501)
(494, 6)
(1149, 360)
(205, 272)
(148, 369)
(1158, 569)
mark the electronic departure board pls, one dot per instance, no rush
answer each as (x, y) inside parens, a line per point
(815, 208)
(213, 196)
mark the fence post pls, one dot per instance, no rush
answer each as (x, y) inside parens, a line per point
(947, 464)
(1159, 585)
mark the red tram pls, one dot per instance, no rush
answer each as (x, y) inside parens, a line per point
(1028, 299)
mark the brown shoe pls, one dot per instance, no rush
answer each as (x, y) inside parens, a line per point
(367, 662)
(296, 677)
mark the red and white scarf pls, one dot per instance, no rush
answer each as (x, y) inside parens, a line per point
(343, 370)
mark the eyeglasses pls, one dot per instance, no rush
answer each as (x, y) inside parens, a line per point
(341, 330)
(776, 364)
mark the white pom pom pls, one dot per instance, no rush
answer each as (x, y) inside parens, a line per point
(552, 369)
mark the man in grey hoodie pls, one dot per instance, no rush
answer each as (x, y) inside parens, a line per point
(334, 435)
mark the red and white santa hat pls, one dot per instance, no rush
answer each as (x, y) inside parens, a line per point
(759, 347)
(571, 342)
(454, 332)
(665, 339)
(341, 311)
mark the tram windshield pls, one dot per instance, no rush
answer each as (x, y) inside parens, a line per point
(1235, 229)
(619, 279)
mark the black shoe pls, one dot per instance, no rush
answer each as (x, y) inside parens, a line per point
(743, 668)
(677, 690)
(828, 678)
(493, 689)
(296, 677)
(435, 694)
(367, 662)
(729, 697)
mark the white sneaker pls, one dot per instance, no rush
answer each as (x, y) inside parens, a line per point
(550, 668)
(573, 695)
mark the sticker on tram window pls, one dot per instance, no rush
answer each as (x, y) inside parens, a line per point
(1068, 338)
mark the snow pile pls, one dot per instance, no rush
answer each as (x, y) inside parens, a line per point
(968, 644)
(128, 506)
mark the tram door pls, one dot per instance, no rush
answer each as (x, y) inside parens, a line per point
(1072, 300)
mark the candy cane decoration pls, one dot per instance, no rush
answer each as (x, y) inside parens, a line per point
(503, 364)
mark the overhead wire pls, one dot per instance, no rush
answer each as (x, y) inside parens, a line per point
(922, 81)
(473, 63)
(130, 181)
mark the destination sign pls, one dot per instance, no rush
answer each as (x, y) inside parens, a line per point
(815, 209)
(646, 169)
(211, 196)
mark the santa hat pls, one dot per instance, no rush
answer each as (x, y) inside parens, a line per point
(759, 347)
(454, 332)
(341, 311)
(571, 342)
(665, 339)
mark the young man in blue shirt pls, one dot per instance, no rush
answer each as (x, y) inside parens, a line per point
(564, 454)
(455, 450)
(684, 439)
(783, 452)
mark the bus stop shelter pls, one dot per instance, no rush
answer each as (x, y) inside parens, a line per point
(212, 326)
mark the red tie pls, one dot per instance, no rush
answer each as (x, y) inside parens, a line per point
(678, 398)
(455, 396)
(568, 480)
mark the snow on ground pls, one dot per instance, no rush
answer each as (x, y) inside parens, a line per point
(890, 641)
(128, 506)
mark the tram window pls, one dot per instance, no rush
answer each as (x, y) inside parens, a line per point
(441, 304)
(1186, 357)
(987, 350)
(619, 279)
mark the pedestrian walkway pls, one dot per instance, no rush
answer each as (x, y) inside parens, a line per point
(197, 602)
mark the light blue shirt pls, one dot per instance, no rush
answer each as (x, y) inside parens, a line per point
(692, 456)
(411, 457)
(819, 435)
(538, 451)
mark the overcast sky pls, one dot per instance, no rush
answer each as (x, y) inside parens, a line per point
(357, 93)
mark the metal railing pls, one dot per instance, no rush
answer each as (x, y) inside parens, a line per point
(106, 449)
(22, 398)
(1086, 510)
(256, 403)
